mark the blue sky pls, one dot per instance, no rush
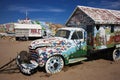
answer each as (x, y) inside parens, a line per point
(55, 11)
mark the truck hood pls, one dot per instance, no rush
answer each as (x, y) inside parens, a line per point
(50, 42)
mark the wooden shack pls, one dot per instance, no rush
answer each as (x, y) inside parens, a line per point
(102, 26)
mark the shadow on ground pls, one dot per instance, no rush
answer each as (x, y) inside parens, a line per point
(9, 68)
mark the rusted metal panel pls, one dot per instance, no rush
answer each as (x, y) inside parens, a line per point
(102, 16)
(79, 19)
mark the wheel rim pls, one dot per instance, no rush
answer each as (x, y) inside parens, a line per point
(116, 55)
(54, 64)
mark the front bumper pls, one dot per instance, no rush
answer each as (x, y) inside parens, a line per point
(26, 68)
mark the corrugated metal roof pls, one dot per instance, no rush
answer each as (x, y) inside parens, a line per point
(102, 16)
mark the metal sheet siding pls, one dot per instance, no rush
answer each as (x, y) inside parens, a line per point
(102, 16)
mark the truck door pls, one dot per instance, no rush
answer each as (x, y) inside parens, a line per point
(78, 38)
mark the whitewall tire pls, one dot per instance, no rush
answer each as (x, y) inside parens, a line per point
(116, 54)
(54, 64)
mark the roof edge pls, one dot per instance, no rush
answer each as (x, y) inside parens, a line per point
(71, 15)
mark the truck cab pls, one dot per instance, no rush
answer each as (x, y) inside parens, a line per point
(77, 36)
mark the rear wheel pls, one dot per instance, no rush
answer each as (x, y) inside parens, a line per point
(116, 54)
(54, 64)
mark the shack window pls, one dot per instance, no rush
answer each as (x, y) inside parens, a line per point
(112, 28)
(97, 26)
(77, 35)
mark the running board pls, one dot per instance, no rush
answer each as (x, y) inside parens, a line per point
(77, 60)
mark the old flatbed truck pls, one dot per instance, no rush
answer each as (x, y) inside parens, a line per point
(72, 44)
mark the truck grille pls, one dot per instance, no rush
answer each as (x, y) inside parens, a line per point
(34, 56)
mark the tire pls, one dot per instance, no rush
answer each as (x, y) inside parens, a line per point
(116, 54)
(54, 64)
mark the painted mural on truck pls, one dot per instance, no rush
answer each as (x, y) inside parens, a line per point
(106, 36)
(117, 34)
(69, 49)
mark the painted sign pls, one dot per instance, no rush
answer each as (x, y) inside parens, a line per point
(35, 31)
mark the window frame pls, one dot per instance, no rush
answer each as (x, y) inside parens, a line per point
(76, 32)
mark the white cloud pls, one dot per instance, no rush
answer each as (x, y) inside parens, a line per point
(24, 9)
(17, 8)
(111, 4)
(45, 19)
(108, 4)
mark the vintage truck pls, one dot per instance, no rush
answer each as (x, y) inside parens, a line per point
(92, 33)
(68, 46)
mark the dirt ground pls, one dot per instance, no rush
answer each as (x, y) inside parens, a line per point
(100, 69)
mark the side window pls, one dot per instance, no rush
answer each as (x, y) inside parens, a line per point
(112, 28)
(77, 35)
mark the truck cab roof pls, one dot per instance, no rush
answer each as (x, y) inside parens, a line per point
(72, 29)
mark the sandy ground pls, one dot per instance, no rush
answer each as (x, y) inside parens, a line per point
(100, 69)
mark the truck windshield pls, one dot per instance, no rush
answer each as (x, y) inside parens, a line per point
(62, 33)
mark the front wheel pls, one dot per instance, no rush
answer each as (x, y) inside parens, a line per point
(116, 54)
(54, 64)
